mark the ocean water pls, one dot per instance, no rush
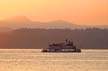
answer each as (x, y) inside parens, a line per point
(35, 60)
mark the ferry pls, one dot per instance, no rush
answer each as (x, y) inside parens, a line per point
(68, 46)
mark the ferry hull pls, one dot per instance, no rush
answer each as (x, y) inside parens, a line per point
(67, 51)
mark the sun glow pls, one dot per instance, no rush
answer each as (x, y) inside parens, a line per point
(87, 12)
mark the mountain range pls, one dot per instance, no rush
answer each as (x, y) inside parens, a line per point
(23, 22)
(41, 38)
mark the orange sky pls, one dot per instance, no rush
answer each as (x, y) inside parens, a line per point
(86, 12)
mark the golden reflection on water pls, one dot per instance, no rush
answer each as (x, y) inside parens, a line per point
(34, 60)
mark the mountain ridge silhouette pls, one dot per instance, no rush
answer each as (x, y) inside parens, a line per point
(24, 22)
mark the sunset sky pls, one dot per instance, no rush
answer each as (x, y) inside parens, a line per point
(83, 12)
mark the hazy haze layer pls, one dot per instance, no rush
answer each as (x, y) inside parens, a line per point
(83, 12)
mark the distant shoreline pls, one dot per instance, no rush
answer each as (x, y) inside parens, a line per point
(41, 38)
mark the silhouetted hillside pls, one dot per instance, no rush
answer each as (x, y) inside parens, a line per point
(41, 38)
(23, 22)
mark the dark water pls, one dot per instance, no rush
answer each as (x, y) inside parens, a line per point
(35, 60)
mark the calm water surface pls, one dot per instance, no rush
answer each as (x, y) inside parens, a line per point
(35, 60)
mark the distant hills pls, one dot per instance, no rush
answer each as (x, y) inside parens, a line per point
(41, 38)
(5, 29)
(22, 33)
(23, 22)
